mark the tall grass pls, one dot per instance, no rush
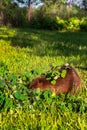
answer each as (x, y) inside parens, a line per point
(25, 120)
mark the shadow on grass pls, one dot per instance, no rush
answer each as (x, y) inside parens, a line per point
(50, 43)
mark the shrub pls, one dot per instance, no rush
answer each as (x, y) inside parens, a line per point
(36, 20)
(47, 22)
(35, 23)
(18, 19)
(83, 24)
(59, 23)
(73, 23)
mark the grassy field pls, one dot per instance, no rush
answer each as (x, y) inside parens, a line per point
(24, 50)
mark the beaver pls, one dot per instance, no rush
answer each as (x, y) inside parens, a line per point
(71, 83)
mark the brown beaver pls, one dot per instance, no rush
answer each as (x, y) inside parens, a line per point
(70, 82)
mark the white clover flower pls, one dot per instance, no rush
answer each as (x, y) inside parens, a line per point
(11, 96)
(67, 64)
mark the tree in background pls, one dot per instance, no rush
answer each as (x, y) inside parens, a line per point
(85, 4)
(12, 13)
(1, 13)
(4, 9)
(29, 4)
(46, 4)
(44, 16)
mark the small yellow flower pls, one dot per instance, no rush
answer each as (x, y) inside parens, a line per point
(53, 94)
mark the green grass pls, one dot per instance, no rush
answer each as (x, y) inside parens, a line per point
(36, 47)
(23, 50)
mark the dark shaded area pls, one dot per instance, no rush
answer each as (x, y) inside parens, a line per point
(82, 68)
(50, 43)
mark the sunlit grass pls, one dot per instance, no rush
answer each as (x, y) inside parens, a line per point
(44, 120)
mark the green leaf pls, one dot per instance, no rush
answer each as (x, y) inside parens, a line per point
(2, 98)
(8, 103)
(13, 79)
(2, 84)
(47, 94)
(53, 82)
(18, 95)
(48, 78)
(63, 74)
